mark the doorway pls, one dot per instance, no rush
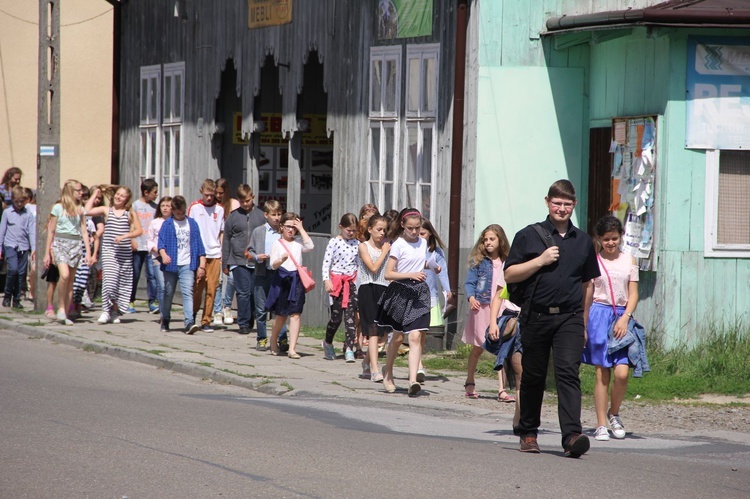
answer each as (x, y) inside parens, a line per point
(228, 144)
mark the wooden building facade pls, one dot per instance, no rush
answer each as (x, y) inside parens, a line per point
(203, 95)
(549, 101)
(337, 108)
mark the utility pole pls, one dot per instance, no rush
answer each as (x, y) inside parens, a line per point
(48, 133)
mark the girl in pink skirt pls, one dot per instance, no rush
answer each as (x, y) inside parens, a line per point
(483, 281)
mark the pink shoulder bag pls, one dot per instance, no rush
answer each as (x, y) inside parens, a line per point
(305, 275)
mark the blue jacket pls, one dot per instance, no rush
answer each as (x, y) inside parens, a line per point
(635, 341)
(503, 349)
(433, 278)
(479, 281)
(168, 243)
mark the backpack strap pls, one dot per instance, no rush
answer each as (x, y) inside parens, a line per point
(546, 238)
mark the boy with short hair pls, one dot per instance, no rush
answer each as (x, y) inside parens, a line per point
(145, 209)
(183, 258)
(258, 252)
(209, 215)
(238, 227)
(18, 236)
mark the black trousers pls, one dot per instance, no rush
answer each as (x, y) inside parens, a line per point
(563, 333)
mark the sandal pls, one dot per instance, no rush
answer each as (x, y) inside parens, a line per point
(471, 394)
(504, 397)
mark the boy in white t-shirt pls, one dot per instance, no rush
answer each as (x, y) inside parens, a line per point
(209, 215)
(145, 209)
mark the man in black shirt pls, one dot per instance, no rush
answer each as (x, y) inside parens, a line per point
(557, 292)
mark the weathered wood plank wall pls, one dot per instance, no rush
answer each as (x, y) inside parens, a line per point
(211, 33)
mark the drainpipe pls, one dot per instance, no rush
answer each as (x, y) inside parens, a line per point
(114, 173)
(457, 142)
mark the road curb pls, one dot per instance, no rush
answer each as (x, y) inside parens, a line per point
(262, 385)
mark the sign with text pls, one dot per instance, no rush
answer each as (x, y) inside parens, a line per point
(718, 93)
(404, 18)
(262, 13)
(237, 137)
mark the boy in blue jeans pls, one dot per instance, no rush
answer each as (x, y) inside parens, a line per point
(18, 236)
(183, 258)
(258, 252)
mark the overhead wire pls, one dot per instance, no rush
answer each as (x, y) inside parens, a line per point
(35, 23)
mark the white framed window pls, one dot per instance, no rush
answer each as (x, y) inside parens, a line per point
(420, 155)
(405, 176)
(383, 157)
(385, 82)
(422, 80)
(161, 117)
(420, 152)
(727, 204)
(383, 140)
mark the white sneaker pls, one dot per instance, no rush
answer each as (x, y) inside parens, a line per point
(615, 423)
(86, 300)
(218, 320)
(228, 318)
(61, 316)
(601, 434)
(103, 319)
(115, 319)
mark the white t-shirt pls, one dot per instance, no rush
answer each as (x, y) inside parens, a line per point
(145, 213)
(211, 224)
(410, 257)
(182, 229)
(277, 251)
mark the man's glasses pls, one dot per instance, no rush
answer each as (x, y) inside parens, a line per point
(557, 204)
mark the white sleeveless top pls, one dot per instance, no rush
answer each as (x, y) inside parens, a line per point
(364, 274)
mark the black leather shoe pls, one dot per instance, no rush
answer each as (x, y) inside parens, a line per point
(529, 444)
(577, 446)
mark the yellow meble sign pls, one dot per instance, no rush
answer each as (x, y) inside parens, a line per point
(263, 13)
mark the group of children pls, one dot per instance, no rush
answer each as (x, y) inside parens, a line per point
(381, 272)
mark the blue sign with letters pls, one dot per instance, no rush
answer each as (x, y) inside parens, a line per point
(718, 93)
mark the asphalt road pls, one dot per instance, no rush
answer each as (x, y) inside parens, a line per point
(77, 424)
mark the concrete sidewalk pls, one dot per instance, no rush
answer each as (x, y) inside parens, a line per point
(227, 357)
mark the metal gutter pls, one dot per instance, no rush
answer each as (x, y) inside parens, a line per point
(665, 14)
(457, 146)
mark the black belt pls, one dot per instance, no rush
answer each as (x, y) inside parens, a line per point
(554, 310)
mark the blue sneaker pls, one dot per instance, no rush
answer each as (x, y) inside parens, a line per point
(131, 309)
(328, 352)
(349, 356)
(153, 307)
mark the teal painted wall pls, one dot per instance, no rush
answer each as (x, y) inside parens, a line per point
(532, 120)
(688, 293)
(525, 140)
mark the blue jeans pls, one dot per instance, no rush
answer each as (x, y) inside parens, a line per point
(16, 277)
(224, 301)
(158, 278)
(244, 281)
(186, 278)
(141, 258)
(262, 283)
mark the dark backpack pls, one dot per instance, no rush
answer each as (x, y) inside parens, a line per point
(517, 290)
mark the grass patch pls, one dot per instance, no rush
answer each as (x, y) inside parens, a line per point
(459, 360)
(36, 323)
(243, 375)
(287, 385)
(5, 317)
(88, 348)
(716, 364)
(156, 352)
(205, 364)
(319, 333)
